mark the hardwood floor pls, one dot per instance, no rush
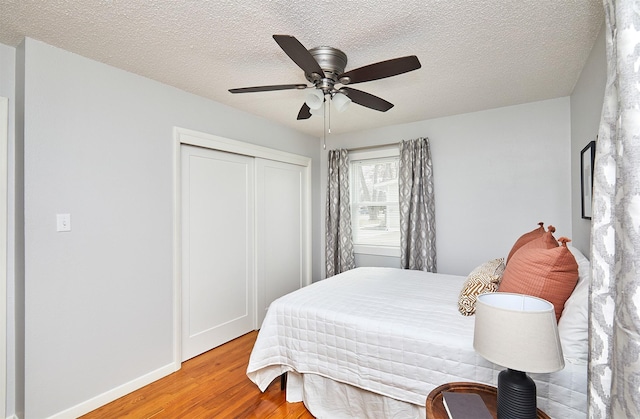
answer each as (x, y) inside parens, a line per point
(211, 385)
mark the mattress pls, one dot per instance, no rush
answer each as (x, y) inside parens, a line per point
(395, 333)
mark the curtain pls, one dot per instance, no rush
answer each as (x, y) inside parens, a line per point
(417, 206)
(339, 239)
(614, 320)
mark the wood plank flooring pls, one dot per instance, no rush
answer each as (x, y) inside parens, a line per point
(211, 385)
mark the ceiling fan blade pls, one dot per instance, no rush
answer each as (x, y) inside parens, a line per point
(268, 88)
(367, 99)
(381, 70)
(305, 112)
(299, 54)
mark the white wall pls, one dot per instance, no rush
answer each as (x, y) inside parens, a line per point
(98, 145)
(497, 173)
(586, 108)
(7, 89)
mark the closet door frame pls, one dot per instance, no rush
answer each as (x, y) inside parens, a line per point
(4, 245)
(213, 142)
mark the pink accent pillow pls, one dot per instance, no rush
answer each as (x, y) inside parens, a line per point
(526, 238)
(550, 273)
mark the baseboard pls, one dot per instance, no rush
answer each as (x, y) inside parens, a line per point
(116, 393)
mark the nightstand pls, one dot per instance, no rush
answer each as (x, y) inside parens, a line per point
(489, 394)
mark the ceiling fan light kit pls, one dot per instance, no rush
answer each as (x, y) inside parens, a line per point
(324, 68)
(315, 99)
(340, 101)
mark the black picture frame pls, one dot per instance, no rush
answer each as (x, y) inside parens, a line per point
(587, 158)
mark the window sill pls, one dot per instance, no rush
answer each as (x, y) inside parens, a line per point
(376, 250)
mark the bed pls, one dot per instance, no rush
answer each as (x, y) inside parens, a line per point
(373, 342)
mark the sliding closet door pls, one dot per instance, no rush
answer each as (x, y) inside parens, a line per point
(217, 248)
(281, 213)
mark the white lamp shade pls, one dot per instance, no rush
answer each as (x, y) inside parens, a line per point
(315, 99)
(340, 101)
(518, 331)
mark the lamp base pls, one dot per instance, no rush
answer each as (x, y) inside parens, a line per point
(516, 395)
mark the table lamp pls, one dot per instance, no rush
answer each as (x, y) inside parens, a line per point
(519, 332)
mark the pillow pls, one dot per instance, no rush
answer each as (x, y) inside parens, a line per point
(526, 238)
(547, 273)
(573, 326)
(484, 278)
(584, 266)
(544, 241)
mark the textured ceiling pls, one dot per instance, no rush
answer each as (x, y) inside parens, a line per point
(475, 54)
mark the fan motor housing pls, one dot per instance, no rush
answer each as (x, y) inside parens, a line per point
(331, 60)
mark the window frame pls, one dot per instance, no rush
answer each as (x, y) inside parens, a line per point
(362, 155)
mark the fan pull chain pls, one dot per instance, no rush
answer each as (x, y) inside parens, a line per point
(324, 127)
(328, 105)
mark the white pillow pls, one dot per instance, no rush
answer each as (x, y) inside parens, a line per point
(573, 326)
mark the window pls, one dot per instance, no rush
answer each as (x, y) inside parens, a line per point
(375, 212)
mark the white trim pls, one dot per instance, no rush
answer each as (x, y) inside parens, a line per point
(214, 142)
(308, 223)
(378, 153)
(177, 254)
(200, 139)
(4, 140)
(113, 394)
(362, 249)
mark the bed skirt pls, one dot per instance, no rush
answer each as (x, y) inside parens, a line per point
(328, 399)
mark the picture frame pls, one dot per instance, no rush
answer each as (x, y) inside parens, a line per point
(587, 158)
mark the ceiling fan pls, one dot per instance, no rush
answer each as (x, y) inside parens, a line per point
(324, 68)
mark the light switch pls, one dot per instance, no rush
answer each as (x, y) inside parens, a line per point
(63, 222)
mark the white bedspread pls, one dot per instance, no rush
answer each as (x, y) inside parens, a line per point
(393, 332)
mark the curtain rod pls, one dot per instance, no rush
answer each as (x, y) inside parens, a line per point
(369, 147)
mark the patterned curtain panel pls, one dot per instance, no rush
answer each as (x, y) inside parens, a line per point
(614, 322)
(417, 207)
(339, 239)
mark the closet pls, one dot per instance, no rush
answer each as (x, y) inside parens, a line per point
(244, 235)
